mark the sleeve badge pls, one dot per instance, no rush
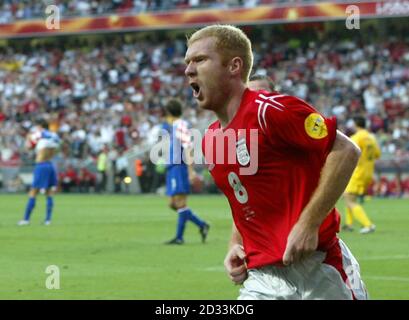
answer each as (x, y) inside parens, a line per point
(315, 126)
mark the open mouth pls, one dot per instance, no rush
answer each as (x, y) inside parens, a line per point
(196, 89)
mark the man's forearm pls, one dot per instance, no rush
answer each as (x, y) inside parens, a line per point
(335, 176)
(235, 237)
(189, 161)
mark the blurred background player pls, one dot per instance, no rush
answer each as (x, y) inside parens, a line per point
(362, 177)
(102, 167)
(179, 173)
(46, 145)
(260, 82)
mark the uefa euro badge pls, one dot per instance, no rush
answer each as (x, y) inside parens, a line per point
(243, 155)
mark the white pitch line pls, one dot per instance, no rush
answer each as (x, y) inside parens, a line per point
(365, 277)
(214, 269)
(386, 278)
(375, 258)
(396, 257)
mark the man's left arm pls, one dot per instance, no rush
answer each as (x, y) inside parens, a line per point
(378, 151)
(189, 160)
(336, 172)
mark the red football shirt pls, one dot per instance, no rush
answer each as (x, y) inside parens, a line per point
(287, 141)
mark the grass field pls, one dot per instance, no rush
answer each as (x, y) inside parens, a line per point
(111, 247)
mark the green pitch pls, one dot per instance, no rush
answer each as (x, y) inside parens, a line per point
(111, 247)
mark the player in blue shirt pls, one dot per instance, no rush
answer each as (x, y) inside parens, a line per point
(178, 173)
(46, 145)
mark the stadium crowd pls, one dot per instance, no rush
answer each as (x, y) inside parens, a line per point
(11, 10)
(112, 95)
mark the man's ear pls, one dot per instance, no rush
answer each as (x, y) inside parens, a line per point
(236, 66)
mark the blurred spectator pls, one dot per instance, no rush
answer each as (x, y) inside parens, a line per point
(102, 168)
(121, 172)
(68, 179)
(86, 181)
(10, 163)
(158, 174)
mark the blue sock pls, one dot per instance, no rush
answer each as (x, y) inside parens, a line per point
(31, 203)
(194, 218)
(183, 217)
(50, 205)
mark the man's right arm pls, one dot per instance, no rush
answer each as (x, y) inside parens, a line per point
(234, 262)
(235, 237)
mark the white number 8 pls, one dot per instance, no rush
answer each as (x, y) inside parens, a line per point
(239, 191)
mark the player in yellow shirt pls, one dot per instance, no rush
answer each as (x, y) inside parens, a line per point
(361, 177)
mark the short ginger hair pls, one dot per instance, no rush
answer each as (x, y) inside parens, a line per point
(231, 42)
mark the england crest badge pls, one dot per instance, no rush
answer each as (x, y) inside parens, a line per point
(243, 155)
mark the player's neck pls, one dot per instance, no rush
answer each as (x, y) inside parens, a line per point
(172, 119)
(229, 110)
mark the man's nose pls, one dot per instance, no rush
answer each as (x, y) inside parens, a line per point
(190, 70)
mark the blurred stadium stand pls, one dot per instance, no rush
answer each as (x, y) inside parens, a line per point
(109, 89)
(12, 10)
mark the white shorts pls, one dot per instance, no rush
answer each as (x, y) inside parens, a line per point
(310, 279)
